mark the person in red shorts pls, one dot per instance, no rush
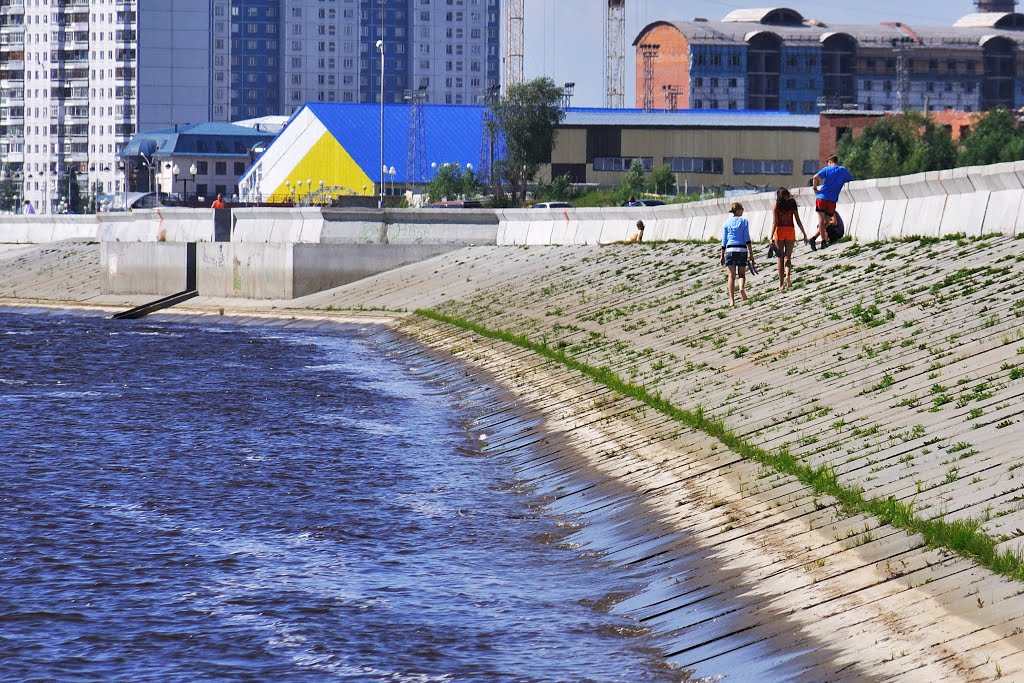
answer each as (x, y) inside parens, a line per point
(828, 183)
(784, 234)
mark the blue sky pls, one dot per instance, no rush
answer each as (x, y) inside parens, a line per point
(565, 38)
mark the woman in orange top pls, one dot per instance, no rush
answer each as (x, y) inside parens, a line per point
(784, 234)
(218, 203)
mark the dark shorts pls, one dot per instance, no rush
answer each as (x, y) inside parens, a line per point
(735, 258)
(824, 206)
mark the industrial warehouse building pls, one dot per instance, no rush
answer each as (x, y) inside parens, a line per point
(329, 150)
(776, 59)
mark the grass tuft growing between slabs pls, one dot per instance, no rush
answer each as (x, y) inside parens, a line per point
(962, 536)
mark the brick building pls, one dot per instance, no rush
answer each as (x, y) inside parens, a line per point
(836, 123)
(776, 59)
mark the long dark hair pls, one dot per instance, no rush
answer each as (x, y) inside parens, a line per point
(784, 200)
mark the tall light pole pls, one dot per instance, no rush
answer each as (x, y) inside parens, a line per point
(380, 48)
(124, 169)
(174, 177)
(193, 170)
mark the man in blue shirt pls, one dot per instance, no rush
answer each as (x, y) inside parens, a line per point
(828, 183)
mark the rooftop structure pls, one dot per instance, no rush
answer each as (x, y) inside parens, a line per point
(328, 150)
(219, 152)
(776, 59)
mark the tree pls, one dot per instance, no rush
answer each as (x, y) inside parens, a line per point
(633, 181)
(525, 119)
(995, 136)
(662, 180)
(898, 145)
(76, 202)
(451, 182)
(559, 189)
(10, 194)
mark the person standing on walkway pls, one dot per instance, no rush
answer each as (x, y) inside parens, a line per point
(828, 183)
(29, 209)
(737, 252)
(784, 234)
(218, 203)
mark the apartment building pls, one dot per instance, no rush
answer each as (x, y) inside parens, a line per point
(74, 86)
(776, 59)
(79, 78)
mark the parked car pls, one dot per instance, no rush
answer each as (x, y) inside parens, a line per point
(644, 202)
(456, 204)
(552, 205)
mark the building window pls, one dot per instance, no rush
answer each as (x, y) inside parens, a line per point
(762, 167)
(810, 167)
(621, 163)
(695, 165)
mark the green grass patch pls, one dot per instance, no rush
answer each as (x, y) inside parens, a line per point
(962, 536)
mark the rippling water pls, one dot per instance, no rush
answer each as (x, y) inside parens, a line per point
(185, 502)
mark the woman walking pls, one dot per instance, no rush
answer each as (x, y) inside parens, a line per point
(737, 251)
(784, 234)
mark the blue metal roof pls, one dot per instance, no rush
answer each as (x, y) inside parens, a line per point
(452, 134)
(208, 139)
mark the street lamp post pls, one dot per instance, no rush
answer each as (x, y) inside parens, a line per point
(380, 47)
(391, 172)
(193, 170)
(174, 176)
(124, 169)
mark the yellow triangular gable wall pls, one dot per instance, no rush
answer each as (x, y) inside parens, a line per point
(328, 161)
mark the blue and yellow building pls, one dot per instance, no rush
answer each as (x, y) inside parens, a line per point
(329, 150)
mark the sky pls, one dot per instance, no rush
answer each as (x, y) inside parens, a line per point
(565, 38)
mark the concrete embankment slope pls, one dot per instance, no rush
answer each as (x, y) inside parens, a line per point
(899, 365)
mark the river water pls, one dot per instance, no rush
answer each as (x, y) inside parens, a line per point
(210, 502)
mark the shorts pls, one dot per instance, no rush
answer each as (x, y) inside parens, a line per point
(785, 232)
(824, 206)
(736, 258)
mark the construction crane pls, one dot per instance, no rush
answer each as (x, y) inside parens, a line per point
(614, 46)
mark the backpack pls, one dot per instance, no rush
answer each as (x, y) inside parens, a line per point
(836, 230)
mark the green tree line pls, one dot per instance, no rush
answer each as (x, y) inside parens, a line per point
(913, 143)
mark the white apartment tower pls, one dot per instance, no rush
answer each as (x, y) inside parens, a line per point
(79, 78)
(75, 87)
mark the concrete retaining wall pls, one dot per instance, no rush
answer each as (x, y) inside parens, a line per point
(972, 200)
(15, 229)
(365, 226)
(964, 200)
(276, 270)
(142, 268)
(166, 224)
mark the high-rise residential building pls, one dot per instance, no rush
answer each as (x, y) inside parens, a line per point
(78, 78)
(271, 56)
(75, 86)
